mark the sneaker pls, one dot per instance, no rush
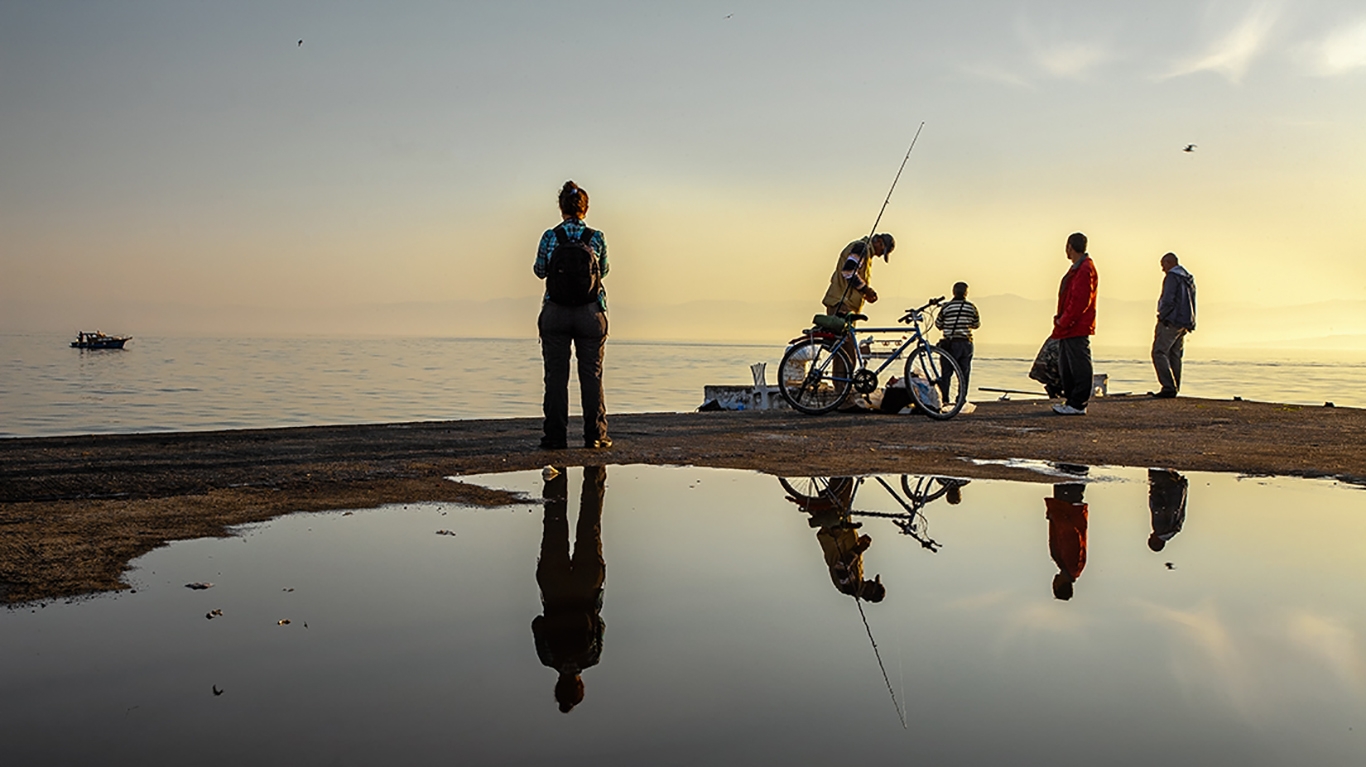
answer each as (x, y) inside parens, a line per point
(553, 444)
(1164, 394)
(1062, 408)
(598, 444)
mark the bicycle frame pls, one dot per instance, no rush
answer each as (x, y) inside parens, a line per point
(916, 339)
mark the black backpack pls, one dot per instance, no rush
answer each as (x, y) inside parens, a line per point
(573, 274)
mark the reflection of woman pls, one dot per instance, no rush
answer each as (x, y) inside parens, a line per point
(1067, 517)
(569, 632)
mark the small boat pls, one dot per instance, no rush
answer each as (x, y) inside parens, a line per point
(98, 340)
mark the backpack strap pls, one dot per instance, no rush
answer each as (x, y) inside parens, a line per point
(586, 236)
(560, 237)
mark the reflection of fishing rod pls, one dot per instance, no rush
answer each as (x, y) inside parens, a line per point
(878, 220)
(878, 655)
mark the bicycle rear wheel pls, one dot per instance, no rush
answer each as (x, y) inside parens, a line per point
(815, 375)
(936, 382)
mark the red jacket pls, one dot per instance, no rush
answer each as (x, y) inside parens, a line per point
(1067, 535)
(1076, 315)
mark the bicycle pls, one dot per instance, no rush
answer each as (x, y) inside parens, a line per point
(816, 495)
(818, 369)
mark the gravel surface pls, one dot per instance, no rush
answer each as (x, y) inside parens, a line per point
(76, 510)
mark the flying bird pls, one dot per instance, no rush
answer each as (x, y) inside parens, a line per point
(1189, 148)
(301, 43)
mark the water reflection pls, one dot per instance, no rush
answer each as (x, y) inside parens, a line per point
(570, 629)
(1067, 519)
(1167, 504)
(728, 639)
(829, 502)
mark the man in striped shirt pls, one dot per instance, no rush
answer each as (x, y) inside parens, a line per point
(958, 318)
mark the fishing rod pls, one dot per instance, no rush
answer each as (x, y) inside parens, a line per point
(878, 220)
(899, 714)
(885, 202)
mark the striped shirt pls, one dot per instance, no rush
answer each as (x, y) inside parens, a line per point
(958, 318)
(574, 229)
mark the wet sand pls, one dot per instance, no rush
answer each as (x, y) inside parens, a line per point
(75, 510)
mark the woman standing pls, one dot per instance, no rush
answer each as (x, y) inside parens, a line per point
(572, 259)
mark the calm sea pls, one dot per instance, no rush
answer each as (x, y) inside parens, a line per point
(172, 383)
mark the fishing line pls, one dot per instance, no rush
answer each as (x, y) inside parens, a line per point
(878, 655)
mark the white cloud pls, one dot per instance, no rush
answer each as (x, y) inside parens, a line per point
(1216, 661)
(1071, 60)
(1342, 51)
(1066, 59)
(997, 74)
(1233, 54)
(1332, 643)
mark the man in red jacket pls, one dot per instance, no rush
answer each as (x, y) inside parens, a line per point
(1073, 326)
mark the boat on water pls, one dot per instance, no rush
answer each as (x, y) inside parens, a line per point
(98, 340)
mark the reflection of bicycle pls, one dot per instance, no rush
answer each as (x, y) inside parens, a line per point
(819, 369)
(815, 495)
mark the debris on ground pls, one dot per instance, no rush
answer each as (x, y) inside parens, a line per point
(199, 586)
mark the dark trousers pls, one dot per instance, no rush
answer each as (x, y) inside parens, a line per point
(961, 351)
(1169, 345)
(1074, 365)
(586, 327)
(565, 580)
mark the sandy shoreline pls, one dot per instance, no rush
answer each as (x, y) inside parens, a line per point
(76, 510)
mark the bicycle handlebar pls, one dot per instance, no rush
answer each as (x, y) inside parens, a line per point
(912, 313)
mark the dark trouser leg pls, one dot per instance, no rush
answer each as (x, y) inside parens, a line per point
(1177, 352)
(961, 351)
(555, 338)
(552, 568)
(1074, 363)
(590, 569)
(590, 340)
(1168, 346)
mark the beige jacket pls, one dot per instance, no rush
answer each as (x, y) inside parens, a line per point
(842, 297)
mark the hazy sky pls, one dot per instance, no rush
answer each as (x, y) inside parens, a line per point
(194, 152)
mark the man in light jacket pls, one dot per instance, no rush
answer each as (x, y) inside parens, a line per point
(1175, 318)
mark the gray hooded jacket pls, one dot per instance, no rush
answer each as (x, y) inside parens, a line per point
(1177, 304)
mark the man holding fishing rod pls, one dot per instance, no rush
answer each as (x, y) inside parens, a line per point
(849, 286)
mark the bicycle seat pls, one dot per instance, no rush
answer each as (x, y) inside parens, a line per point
(856, 317)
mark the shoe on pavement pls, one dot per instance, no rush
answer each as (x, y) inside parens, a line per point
(553, 444)
(1164, 394)
(1062, 408)
(598, 444)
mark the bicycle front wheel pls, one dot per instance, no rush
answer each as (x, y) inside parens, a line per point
(815, 375)
(936, 382)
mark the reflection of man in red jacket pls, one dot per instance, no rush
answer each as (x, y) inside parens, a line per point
(1067, 517)
(1073, 326)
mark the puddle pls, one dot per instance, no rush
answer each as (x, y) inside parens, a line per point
(724, 631)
